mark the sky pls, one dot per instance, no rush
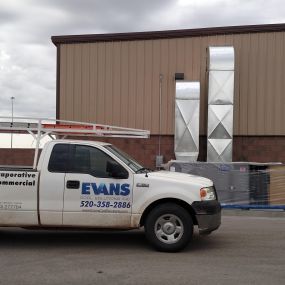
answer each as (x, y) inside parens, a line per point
(28, 57)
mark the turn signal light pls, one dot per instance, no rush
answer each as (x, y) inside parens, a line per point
(207, 193)
(203, 193)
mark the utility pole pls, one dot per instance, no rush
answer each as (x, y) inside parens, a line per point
(12, 100)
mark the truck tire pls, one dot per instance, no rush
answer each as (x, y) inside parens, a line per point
(169, 227)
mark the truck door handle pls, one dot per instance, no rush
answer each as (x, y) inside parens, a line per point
(72, 184)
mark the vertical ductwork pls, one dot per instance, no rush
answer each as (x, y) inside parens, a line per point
(187, 112)
(220, 104)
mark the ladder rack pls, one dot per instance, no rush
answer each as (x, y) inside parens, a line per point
(41, 127)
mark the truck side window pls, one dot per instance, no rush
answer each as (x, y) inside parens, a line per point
(91, 161)
(60, 158)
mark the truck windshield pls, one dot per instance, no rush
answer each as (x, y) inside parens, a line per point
(132, 163)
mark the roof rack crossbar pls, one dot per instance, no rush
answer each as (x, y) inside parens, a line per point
(42, 127)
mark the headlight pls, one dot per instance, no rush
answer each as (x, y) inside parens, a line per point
(207, 193)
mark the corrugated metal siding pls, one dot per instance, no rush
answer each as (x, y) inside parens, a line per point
(117, 83)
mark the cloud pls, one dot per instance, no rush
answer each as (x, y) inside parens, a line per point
(107, 16)
(7, 15)
(187, 14)
(28, 58)
(27, 73)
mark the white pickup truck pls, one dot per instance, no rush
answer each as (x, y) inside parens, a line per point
(87, 184)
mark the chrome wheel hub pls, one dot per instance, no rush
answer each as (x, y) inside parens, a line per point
(169, 228)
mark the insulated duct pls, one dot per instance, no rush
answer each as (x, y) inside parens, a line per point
(187, 112)
(220, 104)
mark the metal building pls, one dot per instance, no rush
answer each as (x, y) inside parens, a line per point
(116, 78)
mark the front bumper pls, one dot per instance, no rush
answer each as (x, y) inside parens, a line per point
(208, 215)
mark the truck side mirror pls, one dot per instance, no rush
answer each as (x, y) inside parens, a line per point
(116, 170)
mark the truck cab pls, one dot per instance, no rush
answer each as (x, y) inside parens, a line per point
(87, 184)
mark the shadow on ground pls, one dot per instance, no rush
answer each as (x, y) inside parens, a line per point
(35, 239)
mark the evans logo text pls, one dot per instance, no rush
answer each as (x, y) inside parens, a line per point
(102, 188)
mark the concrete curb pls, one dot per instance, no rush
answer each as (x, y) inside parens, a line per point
(254, 213)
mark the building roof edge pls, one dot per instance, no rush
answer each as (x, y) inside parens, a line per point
(168, 34)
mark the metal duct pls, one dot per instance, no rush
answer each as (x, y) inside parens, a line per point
(220, 100)
(187, 112)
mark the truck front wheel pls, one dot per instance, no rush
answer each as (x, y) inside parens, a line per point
(169, 227)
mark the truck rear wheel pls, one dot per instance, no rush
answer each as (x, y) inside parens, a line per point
(169, 227)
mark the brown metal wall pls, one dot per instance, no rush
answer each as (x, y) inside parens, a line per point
(117, 82)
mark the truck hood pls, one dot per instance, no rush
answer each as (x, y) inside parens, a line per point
(180, 177)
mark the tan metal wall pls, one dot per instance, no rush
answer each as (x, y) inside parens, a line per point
(118, 82)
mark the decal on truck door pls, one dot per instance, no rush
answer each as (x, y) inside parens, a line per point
(15, 179)
(105, 197)
(103, 189)
(18, 190)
